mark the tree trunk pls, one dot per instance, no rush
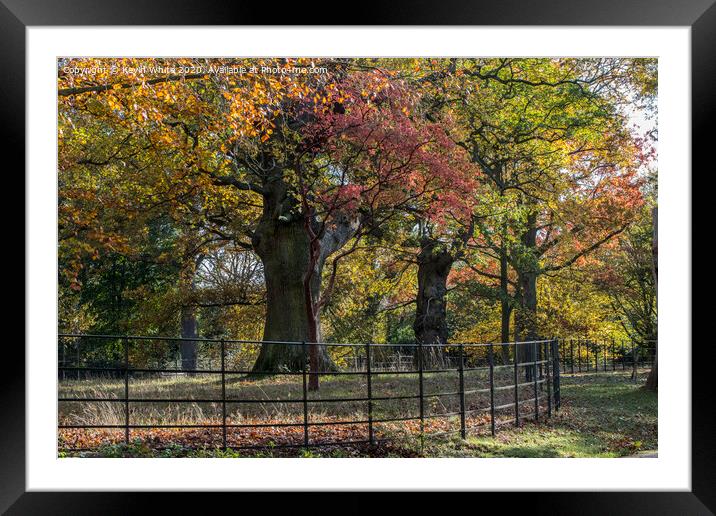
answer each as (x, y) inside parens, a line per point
(652, 380)
(505, 308)
(284, 252)
(187, 279)
(505, 331)
(430, 326)
(188, 331)
(284, 246)
(526, 317)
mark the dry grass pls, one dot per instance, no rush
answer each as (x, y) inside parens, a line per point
(282, 405)
(603, 415)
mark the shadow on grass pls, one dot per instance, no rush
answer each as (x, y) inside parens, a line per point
(530, 452)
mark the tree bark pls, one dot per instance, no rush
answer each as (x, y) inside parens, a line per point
(526, 316)
(189, 327)
(188, 331)
(283, 249)
(283, 245)
(652, 382)
(430, 326)
(505, 308)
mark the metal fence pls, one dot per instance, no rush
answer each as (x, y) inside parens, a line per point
(591, 356)
(487, 394)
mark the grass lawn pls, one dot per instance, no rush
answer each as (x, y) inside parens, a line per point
(604, 415)
(601, 416)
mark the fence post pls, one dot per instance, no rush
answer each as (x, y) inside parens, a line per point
(420, 391)
(305, 394)
(79, 341)
(126, 390)
(549, 378)
(579, 353)
(621, 342)
(605, 356)
(571, 354)
(534, 353)
(588, 345)
(462, 392)
(517, 396)
(555, 371)
(491, 357)
(614, 364)
(586, 353)
(371, 438)
(596, 357)
(540, 359)
(634, 365)
(223, 394)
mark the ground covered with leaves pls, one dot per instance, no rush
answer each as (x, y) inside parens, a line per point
(604, 415)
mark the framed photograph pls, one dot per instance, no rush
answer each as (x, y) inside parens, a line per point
(414, 251)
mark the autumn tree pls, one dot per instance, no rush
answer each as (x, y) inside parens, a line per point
(288, 164)
(150, 143)
(554, 148)
(652, 381)
(434, 218)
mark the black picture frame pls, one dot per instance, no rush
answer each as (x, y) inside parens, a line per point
(700, 15)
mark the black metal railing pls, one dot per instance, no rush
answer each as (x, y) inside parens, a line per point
(592, 356)
(525, 383)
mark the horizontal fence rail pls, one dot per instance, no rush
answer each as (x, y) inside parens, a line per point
(590, 356)
(492, 380)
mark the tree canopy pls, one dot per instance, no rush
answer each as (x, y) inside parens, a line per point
(383, 200)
